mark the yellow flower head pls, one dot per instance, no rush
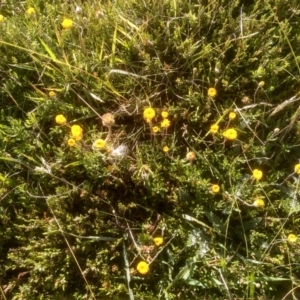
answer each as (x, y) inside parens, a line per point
(99, 144)
(212, 92)
(232, 115)
(143, 267)
(108, 120)
(60, 119)
(165, 123)
(1, 18)
(149, 114)
(214, 128)
(71, 142)
(155, 129)
(215, 188)
(259, 203)
(191, 156)
(292, 238)
(166, 149)
(51, 94)
(261, 83)
(76, 132)
(257, 174)
(158, 241)
(30, 11)
(297, 168)
(164, 114)
(67, 23)
(230, 134)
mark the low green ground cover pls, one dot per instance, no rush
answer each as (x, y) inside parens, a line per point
(149, 149)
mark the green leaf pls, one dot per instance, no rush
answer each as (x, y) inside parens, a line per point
(52, 55)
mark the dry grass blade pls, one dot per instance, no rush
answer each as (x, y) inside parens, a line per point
(283, 105)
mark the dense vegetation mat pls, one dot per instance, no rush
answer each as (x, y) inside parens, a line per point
(149, 149)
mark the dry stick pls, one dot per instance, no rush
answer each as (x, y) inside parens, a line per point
(225, 284)
(2, 292)
(291, 291)
(127, 271)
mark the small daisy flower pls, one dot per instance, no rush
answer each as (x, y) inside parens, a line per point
(166, 149)
(259, 203)
(292, 238)
(51, 94)
(142, 267)
(71, 142)
(76, 132)
(232, 116)
(149, 114)
(67, 23)
(164, 114)
(212, 92)
(155, 129)
(297, 168)
(60, 119)
(214, 128)
(158, 241)
(215, 188)
(30, 11)
(257, 174)
(230, 134)
(99, 144)
(165, 123)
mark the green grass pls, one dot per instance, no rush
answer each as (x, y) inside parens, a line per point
(76, 220)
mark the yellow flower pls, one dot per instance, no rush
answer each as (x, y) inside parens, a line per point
(212, 92)
(165, 123)
(143, 267)
(297, 168)
(259, 203)
(191, 156)
(230, 134)
(60, 119)
(214, 128)
(166, 149)
(67, 23)
(215, 188)
(71, 142)
(158, 241)
(155, 129)
(261, 84)
(164, 114)
(257, 174)
(99, 144)
(30, 11)
(76, 132)
(232, 115)
(1, 18)
(149, 114)
(51, 94)
(108, 120)
(292, 238)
